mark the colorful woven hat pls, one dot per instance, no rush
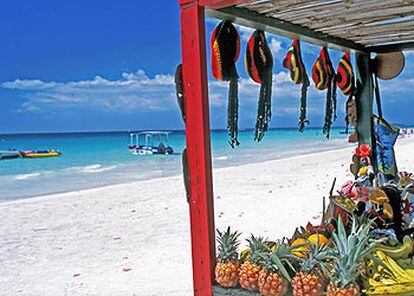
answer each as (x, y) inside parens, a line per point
(345, 82)
(345, 75)
(259, 66)
(294, 63)
(323, 75)
(225, 47)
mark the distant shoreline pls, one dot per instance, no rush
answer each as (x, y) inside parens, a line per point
(136, 130)
(161, 129)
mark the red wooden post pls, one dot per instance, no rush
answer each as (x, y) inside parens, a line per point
(198, 145)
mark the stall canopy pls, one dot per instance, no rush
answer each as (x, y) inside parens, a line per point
(359, 26)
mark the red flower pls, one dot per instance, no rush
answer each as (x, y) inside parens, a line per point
(363, 151)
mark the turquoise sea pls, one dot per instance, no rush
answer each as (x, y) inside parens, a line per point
(98, 159)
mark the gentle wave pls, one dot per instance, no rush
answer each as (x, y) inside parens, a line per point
(27, 176)
(222, 158)
(98, 168)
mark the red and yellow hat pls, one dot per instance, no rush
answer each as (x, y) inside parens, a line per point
(225, 51)
(259, 66)
(294, 63)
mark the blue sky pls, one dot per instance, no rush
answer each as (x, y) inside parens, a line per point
(108, 65)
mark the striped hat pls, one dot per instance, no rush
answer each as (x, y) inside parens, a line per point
(323, 75)
(345, 75)
(294, 63)
(345, 82)
(225, 51)
(259, 66)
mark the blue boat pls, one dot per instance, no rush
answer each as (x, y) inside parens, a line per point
(9, 154)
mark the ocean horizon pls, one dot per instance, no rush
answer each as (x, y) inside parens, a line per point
(95, 159)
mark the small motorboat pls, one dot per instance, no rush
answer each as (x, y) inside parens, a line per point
(9, 154)
(40, 153)
(150, 143)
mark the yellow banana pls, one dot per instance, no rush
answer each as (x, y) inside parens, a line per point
(394, 289)
(399, 252)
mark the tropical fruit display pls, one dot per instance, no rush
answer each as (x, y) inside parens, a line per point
(364, 244)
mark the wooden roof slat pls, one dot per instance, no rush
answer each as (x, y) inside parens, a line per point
(385, 39)
(288, 6)
(353, 31)
(284, 9)
(263, 7)
(364, 26)
(344, 14)
(341, 21)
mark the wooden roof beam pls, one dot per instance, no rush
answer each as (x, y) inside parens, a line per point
(253, 19)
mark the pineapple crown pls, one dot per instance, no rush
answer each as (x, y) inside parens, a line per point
(258, 249)
(351, 250)
(228, 243)
(316, 258)
(279, 258)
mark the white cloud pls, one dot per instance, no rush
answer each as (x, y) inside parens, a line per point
(275, 45)
(134, 91)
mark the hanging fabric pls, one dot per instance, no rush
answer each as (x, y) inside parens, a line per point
(294, 63)
(225, 47)
(386, 136)
(179, 90)
(259, 66)
(323, 75)
(345, 82)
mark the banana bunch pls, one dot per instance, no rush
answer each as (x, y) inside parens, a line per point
(389, 278)
(398, 252)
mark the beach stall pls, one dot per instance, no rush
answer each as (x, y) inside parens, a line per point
(363, 28)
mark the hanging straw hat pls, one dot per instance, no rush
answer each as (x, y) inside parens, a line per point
(389, 65)
(323, 75)
(225, 47)
(259, 66)
(294, 63)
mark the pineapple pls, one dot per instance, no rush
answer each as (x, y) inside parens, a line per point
(350, 252)
(274, 278)
(250, 269)
(227, 267)
(309, 281)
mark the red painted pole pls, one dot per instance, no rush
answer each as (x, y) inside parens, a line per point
(198, 145)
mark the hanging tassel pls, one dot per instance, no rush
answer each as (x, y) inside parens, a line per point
(323, 76)
(225, 46)
(334, 97)
(302, 119)
(259, 65)
(294, 63)
(232, 113)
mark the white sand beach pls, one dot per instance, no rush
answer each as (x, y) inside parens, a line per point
(133, 239)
